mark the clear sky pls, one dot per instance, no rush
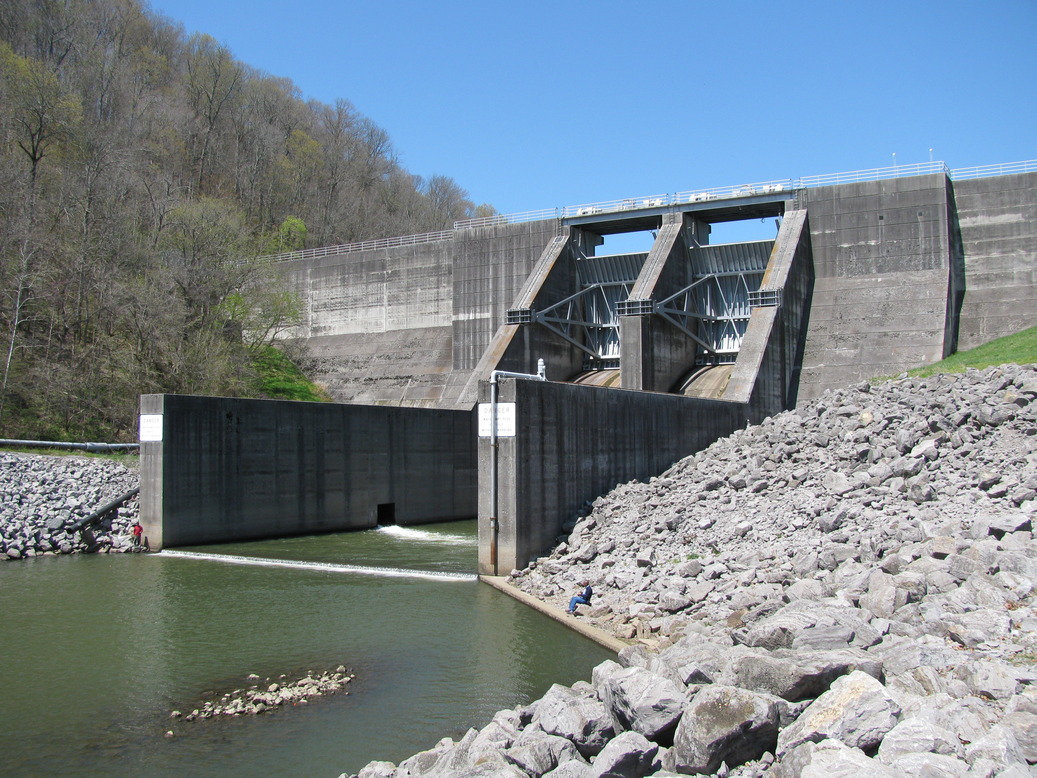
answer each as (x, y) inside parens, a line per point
(550, 103)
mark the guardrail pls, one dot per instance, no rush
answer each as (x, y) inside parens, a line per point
(725, 192)
(508, 218)
(610, 206)
(876, 174)
(366, 245)
(1007, 168)
(664, 200)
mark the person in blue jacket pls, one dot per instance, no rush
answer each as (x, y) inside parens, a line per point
(584, 598)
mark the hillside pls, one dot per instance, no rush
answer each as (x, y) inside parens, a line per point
(144, 172)
(844, 589)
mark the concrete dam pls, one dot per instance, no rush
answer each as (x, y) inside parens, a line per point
(514, 370)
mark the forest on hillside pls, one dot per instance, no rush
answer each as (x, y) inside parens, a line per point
(144, 175)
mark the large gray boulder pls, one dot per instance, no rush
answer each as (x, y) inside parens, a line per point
(424, 763)
(924, 765)
(918, 735)
(724, 724)
(796, 675)
(857, 711)
(694, 661)
(580, 719)
(968, 718)
(1021, 718)
(482, 770)
(639, 700)
(999, 745)
(994, 680)
(829, 759)
(536, 752)
(572, 769)
(823, 637)
(474, 756)
(780, 629)
(630, 755)
(377, 770)
(466, 758)
(883, 597)
(499, 733)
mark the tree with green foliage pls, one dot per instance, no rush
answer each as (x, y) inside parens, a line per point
(143, 173)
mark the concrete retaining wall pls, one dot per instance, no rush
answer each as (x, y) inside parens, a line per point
(406, 325)
(997, 218)
(884, 275)
(491, 265)
(229, 469)
(573, 444)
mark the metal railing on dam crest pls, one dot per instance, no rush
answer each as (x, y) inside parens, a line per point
(667, 200)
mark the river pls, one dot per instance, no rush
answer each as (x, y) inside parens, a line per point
(97, 650)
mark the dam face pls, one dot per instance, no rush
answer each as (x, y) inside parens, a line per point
(648, 357)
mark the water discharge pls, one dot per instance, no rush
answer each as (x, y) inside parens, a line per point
(98, 650)
(386, 572)
(417, 534)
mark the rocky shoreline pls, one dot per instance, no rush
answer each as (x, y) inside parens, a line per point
(39, 492)
(845, 589)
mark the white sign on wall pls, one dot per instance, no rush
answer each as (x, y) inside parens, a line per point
(150, 427)
(505, 420)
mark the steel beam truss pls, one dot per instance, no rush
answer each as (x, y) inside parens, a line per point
(713, 310)
(719, 304)
(588, 319)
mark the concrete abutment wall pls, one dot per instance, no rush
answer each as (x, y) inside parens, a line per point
(573, 444)
(228, 469)
(884, 272)
(997, 223)
(407, 325)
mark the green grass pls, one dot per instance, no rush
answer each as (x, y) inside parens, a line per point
(1020, 348)
(280, 379)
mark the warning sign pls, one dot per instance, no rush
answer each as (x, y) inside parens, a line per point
(505, 420)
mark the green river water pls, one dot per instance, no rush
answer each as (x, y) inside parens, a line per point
(97, 650)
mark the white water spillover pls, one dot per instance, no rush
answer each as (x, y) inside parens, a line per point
(387, 572)
(411, 533)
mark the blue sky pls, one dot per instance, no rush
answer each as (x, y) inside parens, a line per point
(544, 104)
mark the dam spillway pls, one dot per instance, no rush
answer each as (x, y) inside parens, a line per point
(862, 279)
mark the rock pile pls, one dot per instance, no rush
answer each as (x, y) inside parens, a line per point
(844, 589)
(259, 699)
(38, 493)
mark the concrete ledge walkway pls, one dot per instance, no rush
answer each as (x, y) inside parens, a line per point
(597, 635)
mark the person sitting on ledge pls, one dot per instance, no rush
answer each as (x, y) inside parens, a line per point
(584, 598)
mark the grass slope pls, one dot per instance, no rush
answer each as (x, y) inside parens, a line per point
(281, 379)
(1020, 348)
